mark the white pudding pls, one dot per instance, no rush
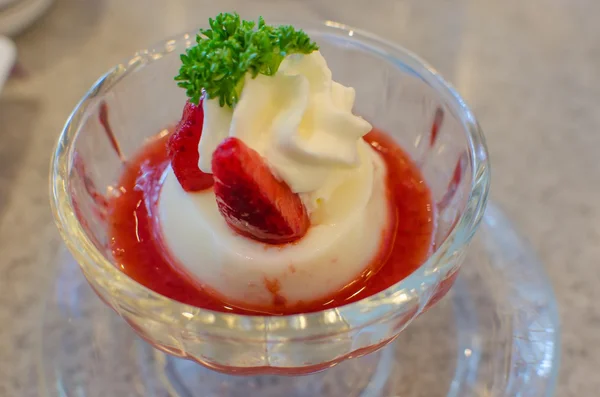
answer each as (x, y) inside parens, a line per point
(301, 122)
(251, 274)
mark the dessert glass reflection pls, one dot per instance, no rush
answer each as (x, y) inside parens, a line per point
(396, 92)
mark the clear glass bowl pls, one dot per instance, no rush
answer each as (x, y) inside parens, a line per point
(396, 91)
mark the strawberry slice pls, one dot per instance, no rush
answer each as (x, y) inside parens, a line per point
(252, 200)
(183, 150)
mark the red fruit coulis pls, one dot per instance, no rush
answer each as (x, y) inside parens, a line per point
(138, 251)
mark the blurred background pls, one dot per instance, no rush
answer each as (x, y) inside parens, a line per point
(529, 69)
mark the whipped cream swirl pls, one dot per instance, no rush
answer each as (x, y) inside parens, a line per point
(301, 122)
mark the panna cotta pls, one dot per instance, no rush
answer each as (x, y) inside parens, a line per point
(300, 121)
(270, 195)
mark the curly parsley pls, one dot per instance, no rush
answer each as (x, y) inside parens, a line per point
(231, 48)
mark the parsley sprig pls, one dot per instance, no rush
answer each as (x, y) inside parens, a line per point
(232, 47)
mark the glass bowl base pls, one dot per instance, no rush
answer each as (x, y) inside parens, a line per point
(495, 334)
(368, 376)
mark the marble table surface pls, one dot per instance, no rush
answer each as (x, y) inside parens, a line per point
(529, 69)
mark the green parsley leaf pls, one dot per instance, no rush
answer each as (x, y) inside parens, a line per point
(231, 48)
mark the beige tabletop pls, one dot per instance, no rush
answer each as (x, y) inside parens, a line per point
(529, 68)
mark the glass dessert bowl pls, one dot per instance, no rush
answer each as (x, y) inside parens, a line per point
(395, 91)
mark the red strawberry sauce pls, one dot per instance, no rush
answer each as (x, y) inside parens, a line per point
(137, 250)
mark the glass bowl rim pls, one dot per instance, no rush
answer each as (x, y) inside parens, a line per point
(91, 260)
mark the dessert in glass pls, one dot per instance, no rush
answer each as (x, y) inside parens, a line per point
(303, 198)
